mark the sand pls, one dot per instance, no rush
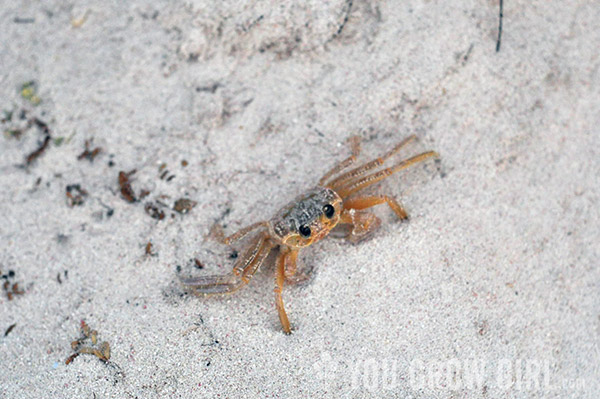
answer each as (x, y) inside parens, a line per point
(490, 290)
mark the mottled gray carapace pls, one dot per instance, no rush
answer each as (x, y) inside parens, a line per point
(303, 220)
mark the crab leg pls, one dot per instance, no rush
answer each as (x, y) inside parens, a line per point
(242, 272)
(362, 224)
(353, 186)
(252, 268)
(290, 265)
(251, 254)
(279, 279)
(211, 285)
(217, 232)
(338, 181)
(368, 202)
(355, 148)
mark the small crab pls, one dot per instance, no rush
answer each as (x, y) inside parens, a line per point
(309, 218)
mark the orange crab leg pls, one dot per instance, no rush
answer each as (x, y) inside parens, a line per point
(212, 285)
(338, 181)
(366, 181)
(279, 279)
(363, 224)
(250, 255)
(368, 202)
(217, 232)
(251, 269)
(290, 264)
(355, 148)
(241, 274)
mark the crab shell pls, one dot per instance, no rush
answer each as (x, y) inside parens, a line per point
(306, 211)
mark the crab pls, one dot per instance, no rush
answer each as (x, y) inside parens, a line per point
(309, 218)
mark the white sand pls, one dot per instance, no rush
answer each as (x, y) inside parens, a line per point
(498, 264)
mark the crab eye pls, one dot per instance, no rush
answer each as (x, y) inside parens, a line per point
(304, 231)
(329, 211)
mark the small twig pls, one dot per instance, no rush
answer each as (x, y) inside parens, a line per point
(40, 150)
(499, 27)
(345, 21)
(35, 154)
(21, 20)
(9, 329)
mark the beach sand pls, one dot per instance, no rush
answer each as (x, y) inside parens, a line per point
(490, 290)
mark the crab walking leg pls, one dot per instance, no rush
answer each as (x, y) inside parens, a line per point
(368, 202)
(338, 181)
(279, 279)
(217, 232)
(240, 276)
(363, 224)
(214, 285)
(252, 253)
(290, 266)
(252, 268)
(366, 181)
(290, 269)
(355, 148)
